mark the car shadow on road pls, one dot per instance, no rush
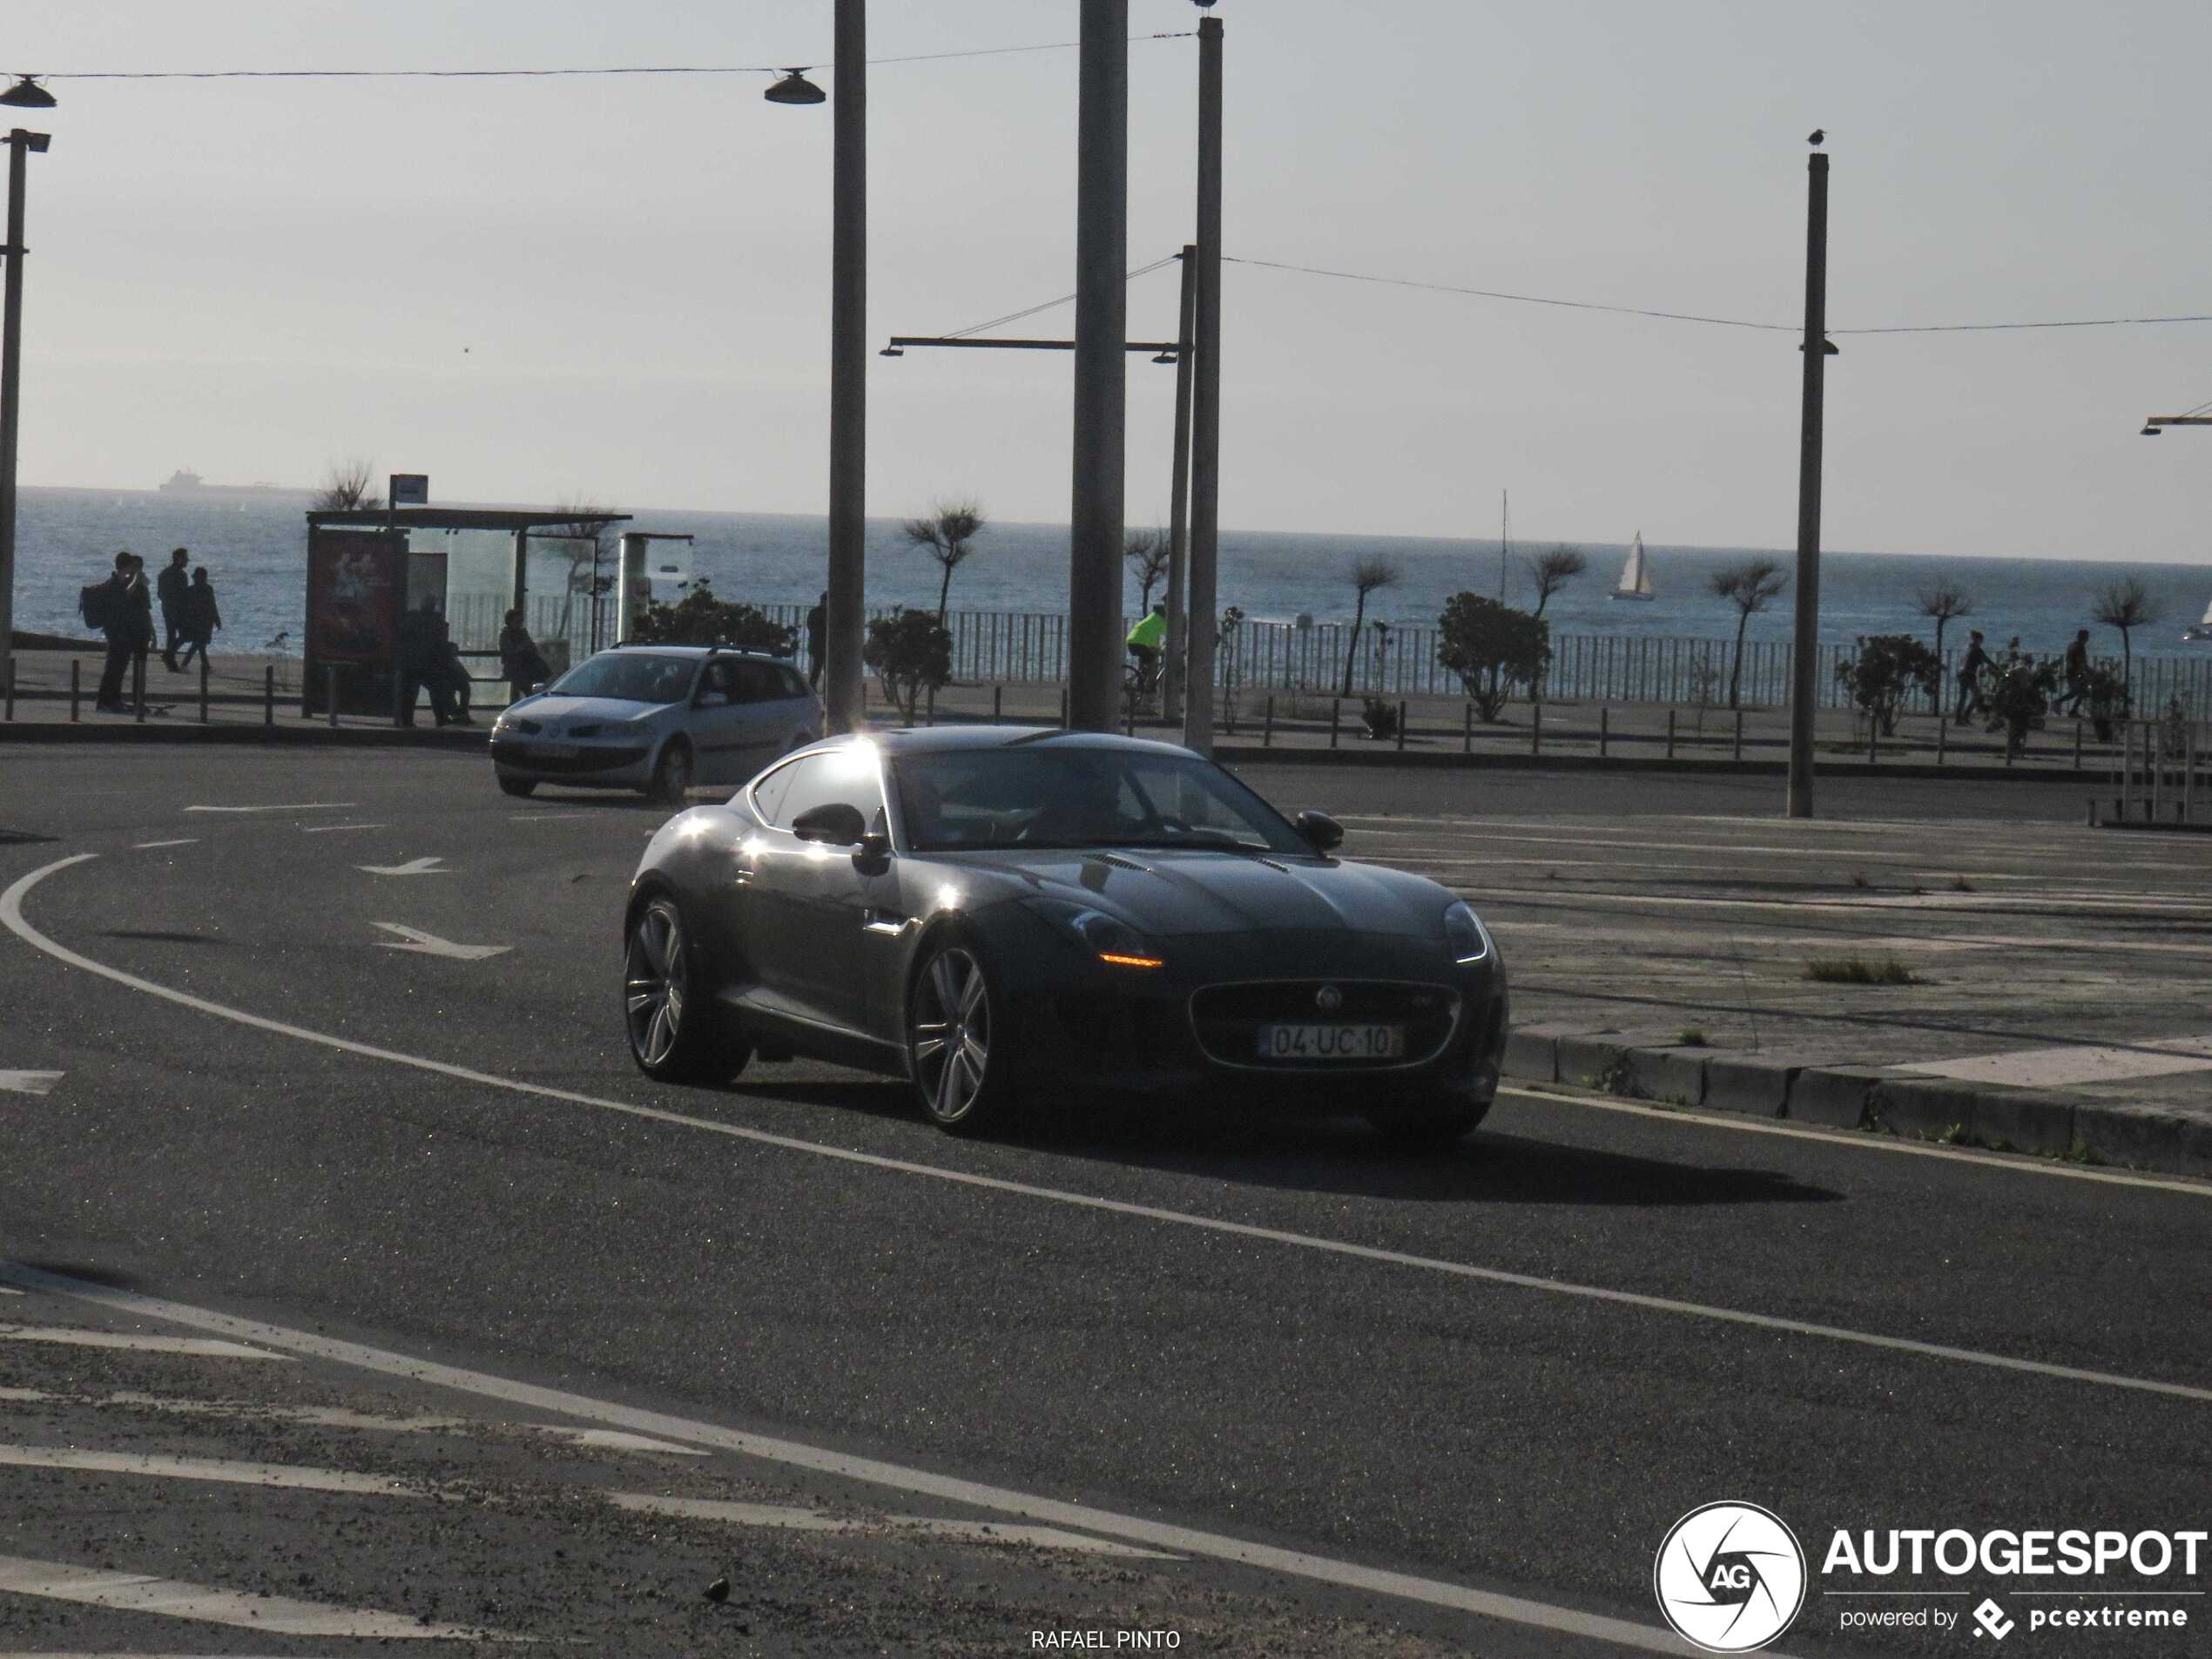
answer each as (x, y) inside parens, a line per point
(1341, 1157)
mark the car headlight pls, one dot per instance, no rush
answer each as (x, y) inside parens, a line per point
(1464, 932)
(1107, 938)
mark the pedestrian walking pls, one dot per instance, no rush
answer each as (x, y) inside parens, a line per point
(816, 630)
(520, 659)
(422, 663)
(201, 617)
(2077, 675)
(1970, 673)
(172, 587)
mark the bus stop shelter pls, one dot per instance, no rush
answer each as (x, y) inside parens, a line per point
(369, 566)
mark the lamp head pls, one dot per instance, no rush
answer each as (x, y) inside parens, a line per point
(794, 88)
(27, 94)
(2152, 432)
(893, 351)
(1169, 355)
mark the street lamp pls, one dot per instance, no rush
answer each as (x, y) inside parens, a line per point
(26, 94)
(843, 693)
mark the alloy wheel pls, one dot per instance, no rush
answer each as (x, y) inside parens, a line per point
(951, 1034)
(656, 980)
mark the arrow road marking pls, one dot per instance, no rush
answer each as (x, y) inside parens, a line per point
(28, 1082)
(430, 944)
(296, 807)
(413, 867)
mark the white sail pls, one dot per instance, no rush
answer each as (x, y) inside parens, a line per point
(2207, 623)
(1635, 575)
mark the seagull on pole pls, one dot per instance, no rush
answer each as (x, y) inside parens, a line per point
(1817, 137)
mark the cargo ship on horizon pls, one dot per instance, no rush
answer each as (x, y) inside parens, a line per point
(182, 482)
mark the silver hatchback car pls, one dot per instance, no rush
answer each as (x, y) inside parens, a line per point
(657, 719)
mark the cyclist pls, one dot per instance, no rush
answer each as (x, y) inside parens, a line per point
(1146, 641)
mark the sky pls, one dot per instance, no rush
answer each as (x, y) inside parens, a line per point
(617, 289)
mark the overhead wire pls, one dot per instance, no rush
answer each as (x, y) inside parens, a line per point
(1031, 310)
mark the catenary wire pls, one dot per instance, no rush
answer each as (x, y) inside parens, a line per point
(1031, 310)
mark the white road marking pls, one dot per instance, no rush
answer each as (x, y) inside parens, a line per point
(413, 867)
(597, 1440)
(70, 1337)
(225, 1471)
(28, 1082)
(339, 829)
(2073, 1065)
(541, 818)
(431, 944)
(1857, 1140)
(12, 918)
(795, 1520)
(145, 846)
(296, 807)
(173, 1598)
(1185, 1540)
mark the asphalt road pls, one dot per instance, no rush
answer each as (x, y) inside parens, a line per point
(1508, 1370)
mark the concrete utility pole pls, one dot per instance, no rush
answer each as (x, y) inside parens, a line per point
(1205, 401)
(1806, 653)
(1179, 507)
(1101, 376)
(20, 143)
(844, 614)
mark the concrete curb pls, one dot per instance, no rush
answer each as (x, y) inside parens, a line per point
(2048, 1122)
(1247, 754)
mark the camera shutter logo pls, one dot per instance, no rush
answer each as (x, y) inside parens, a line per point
(1729, 1577)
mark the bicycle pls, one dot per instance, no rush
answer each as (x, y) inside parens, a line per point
(1140, 683)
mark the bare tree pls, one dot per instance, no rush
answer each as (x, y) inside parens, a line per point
(1748, 587)
(2127, 604)
(1555, 570)
(344, 487)
(1370, 573)
(951, 526)
(1942, 602)
(1147, 553)
(590, 526)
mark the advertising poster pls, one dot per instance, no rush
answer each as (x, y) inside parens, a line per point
(355, 587)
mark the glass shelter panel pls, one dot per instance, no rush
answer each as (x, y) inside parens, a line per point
(480, 581)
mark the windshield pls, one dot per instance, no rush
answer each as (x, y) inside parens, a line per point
(1046, 796)
(630, 676)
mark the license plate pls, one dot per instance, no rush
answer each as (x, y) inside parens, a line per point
(556, 751)
(1332, 1042)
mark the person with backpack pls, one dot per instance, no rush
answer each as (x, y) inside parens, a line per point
(201, 618)
(172, 587)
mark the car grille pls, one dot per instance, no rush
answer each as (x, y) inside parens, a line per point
(1227, 1018)
(518, 755)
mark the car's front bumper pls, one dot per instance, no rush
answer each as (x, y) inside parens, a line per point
(626, 763)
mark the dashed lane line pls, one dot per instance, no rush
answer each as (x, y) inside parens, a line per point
(12, 917)
(148, 846)
(70, 1336)
(796, 1520)
(176, 1599)
(28, 1082)
(339, 829)
(295, 806)
(85, 1459)
(971, 1494)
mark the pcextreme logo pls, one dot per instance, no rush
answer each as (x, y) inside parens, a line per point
(1729, 1577)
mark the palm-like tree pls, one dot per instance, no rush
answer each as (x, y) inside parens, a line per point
(2127, 604)
(1748, 587)
(947, 532)
(1370, 572)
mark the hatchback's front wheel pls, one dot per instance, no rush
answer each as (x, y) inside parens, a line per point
(672, 784)
(952, 1024)
(676, 1033)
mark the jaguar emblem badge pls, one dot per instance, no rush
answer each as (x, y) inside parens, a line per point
(1328, 999)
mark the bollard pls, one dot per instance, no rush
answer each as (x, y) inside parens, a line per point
(1467, 736)
(1670, 734)
(1873, 739)
(1128, 715)
(1267, 731)
(929, 708)
(1063, 708)
(1603, 729)
(1336, 708)
(11, 691)
(1943, 728)
(1535, 728)
(203, 687)
(998, 694)
(1739, 734)
(76, 689)
(330, 694)
(139, 683)
(2188, 771)
(2077, 743)
(268, 695)
(1401, 726)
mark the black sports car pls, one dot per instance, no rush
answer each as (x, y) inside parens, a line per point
(1001, 915)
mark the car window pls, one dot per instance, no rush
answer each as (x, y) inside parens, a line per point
(1081, 797)
(792, 682)
(768, 793)
(717, 676)
(848, 775)
(755, 681)
(629, 677)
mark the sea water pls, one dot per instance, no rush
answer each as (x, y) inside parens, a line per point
(255, 548)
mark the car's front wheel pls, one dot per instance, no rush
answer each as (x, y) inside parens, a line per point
(953, 1029)
(672, 773)
(676, 1034)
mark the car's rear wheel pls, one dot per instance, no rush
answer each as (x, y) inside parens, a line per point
(677, 1034)
(952, 1027)
(672, 773)
(518, 785)
(1430, 1128)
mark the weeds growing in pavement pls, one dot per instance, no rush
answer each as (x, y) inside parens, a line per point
(1858, 879)
(1959, 884)
(1691, 1036)
(1858, 970)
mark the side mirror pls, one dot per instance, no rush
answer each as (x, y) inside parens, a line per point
(1322, 833)
(835, 823)
(538, 689)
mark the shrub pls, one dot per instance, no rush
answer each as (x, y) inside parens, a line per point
(1887, 667)
(1492, 647)
(910, 652)
(2019, 696)
(1380, 716)
(1858, 970)
(701, 619)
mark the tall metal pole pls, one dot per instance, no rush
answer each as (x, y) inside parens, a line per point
(1205, 401)
(20, 143)
(1179, 508)
(1804, 658)
(1101, 371)
(844, 613)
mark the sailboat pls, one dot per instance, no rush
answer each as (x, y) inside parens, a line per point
(2201, 631)
(1635, 575)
